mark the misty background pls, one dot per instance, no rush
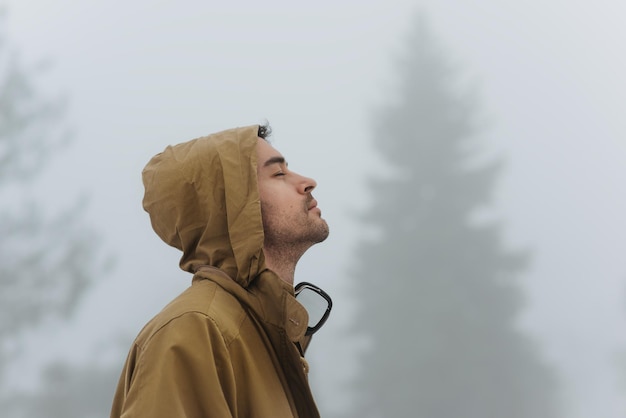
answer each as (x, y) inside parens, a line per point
(469, 160)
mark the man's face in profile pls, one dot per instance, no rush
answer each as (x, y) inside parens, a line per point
(290, 213)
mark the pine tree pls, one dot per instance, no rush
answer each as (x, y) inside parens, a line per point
(46, 262)
(438, 294)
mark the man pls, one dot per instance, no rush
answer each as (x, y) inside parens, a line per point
(232, 344)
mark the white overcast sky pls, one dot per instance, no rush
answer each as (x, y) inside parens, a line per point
(144, 74)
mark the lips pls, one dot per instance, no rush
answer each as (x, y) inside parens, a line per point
(312, 204)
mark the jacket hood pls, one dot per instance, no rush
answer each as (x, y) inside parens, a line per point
(202, 197)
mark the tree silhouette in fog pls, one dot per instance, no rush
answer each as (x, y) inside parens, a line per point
(46, 260)
(438, 295)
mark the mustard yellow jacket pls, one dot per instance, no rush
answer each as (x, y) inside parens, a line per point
(232, 344)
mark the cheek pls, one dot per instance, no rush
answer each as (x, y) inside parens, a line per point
(272, 194)
(263, 192)
(279, 198)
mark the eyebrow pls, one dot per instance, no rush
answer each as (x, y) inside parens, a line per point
(275, 160)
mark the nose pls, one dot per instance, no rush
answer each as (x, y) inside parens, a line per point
(306, 185)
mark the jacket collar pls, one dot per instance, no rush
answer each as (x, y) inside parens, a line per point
(270, 298)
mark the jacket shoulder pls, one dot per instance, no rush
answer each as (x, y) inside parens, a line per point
(203, 298)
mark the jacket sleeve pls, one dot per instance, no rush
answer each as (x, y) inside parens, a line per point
(184, 370)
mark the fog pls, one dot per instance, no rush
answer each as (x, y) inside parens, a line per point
(548, 77)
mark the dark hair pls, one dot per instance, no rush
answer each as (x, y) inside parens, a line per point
(265, 131)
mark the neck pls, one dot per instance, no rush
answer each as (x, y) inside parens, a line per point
(286, 273)
(283, 263)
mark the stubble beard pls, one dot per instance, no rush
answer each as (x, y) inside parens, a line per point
(292, 236)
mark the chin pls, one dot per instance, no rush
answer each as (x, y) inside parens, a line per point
(324, 232)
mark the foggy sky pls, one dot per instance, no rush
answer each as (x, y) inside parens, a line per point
(549, 81)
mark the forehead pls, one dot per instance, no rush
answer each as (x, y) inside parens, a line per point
(265, 151)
